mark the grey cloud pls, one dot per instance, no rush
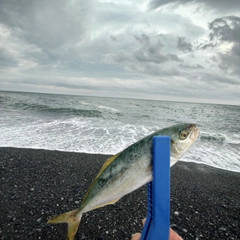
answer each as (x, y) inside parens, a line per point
(185, 66)
(204, 46)
(113, 38)
(120, 57)
(227, 29)
(143, 38)
(153, 69)
(59, 30)
(47, 24)
(174, 57)
(146, 58)
(151, 52)
(110, 12)
(214, 58)
(222, 5)
(155, 57)
(45, 33)
(222, 79)
(230, 61)
(6, 59)
(158, 3)
(183, 45)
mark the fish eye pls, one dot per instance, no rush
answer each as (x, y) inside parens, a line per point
(183, 135)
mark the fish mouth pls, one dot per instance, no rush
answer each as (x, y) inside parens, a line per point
(195, 132)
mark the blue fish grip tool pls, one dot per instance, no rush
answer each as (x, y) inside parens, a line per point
(157, 225)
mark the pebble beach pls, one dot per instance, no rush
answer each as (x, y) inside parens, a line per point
(36, 184)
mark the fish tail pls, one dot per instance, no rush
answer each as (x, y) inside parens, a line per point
(73, 219)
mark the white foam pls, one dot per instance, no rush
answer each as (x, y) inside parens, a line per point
(99, 106)
(106, 137)
(220, 156)
(108, 108)
(78, 135)
(84, 103)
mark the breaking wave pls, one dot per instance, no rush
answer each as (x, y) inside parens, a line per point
(219, 138)
(57, 110)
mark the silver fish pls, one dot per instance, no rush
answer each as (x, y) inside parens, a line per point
(126, 172)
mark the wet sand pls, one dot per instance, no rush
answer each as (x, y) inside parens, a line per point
(36, 184)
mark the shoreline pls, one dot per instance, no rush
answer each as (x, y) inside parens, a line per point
(36, 184)
(109, 154)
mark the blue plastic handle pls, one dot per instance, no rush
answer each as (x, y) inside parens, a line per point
(157, 225)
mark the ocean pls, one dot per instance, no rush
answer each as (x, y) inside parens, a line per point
(108, 125)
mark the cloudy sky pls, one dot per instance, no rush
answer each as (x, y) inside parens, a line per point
(158, 49)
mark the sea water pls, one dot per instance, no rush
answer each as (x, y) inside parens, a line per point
(108, 125)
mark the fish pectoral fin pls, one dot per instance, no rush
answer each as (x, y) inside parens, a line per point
(105, 204)
(73, 220)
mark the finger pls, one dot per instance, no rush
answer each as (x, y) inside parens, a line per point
(136, 236)
(143, 221)
(174, 235)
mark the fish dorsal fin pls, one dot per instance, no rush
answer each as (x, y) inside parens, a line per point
(106, 164)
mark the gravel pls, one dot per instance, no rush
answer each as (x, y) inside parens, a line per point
(36, 184)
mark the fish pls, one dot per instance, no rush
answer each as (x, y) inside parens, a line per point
(127, 171)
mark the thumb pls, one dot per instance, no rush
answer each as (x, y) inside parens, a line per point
(174, 235)
(136, 236)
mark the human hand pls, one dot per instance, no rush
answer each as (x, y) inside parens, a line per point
(172, 235)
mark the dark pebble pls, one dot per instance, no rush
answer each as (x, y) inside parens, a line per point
(53, 182)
